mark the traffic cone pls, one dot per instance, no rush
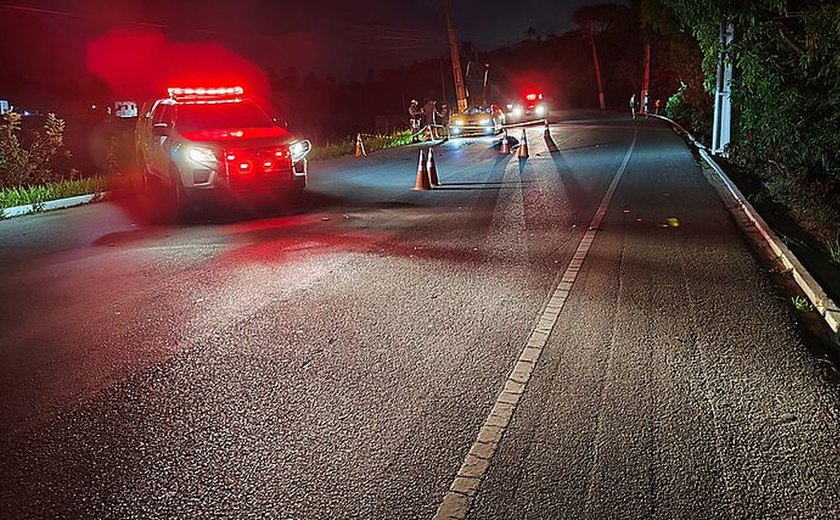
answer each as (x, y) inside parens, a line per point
(431, 167)
(523, 145)
(360, 146)
(547, 129)
(504, 148)
(421, 182)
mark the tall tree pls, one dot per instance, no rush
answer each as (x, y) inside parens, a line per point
(592, 21)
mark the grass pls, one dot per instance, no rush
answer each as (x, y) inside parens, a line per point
(801, 304)
(347, 146)
(21, 195)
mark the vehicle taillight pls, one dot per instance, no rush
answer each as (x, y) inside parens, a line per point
(244, 167)
(267, 165)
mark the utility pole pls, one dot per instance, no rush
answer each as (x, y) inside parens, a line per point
(460, 90)
(646, 82)
(444, 98)
(722, 129)
(601, 101)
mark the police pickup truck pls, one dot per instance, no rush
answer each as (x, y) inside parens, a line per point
(214, 140)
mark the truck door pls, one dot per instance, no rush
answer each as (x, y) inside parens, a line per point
(159, 144)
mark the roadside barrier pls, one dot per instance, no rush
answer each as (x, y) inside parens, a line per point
(421, 181)
(504, 147)
(523, 146)
(431, 168)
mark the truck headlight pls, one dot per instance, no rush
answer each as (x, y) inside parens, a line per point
(203, 156)
(484, 122)
(458, 122)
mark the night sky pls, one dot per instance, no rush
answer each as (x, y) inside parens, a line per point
(342, 37)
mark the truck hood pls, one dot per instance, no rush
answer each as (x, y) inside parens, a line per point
(241, 136)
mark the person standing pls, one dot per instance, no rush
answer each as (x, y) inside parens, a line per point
(429, 115)
(646, 105)
(443, 118)
(633, 106)
(415, 116)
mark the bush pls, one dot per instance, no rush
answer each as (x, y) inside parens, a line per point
(21, 165)
(692, 109)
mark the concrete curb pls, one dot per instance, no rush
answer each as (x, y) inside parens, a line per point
(730, 193)
(69, 202)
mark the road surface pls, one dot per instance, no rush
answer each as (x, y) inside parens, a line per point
(341, 361)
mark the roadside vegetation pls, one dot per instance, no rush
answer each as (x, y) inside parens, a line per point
(786, 95)
(28, 164)
(347, 146)
(18, 196)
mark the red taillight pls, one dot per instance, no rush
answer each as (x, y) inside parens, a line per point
(267, 165)
(281, 153)
(244, 167)
(230, 157)
(531, 97)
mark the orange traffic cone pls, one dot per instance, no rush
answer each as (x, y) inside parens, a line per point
(504, 148)
(431, 167)
(421, 182)
(360, 146)
(523, 145)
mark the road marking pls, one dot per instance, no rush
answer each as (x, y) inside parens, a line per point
(456, 503)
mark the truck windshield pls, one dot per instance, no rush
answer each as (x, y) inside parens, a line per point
(244, 114)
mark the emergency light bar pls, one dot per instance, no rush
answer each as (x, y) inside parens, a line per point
(204, 93)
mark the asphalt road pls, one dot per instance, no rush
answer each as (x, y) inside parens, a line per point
(339, 361)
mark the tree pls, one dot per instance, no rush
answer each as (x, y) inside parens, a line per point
(592, 21)
(786, 97)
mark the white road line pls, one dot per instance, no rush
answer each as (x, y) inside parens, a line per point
(456, 503)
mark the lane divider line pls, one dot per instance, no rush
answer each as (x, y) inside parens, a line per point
(457, 501)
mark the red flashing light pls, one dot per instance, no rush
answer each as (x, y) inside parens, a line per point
(205, 94)
(267, 165)
(209, 101)
(281, 153)
(230, 157)
(531, 97)
(244, 167)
